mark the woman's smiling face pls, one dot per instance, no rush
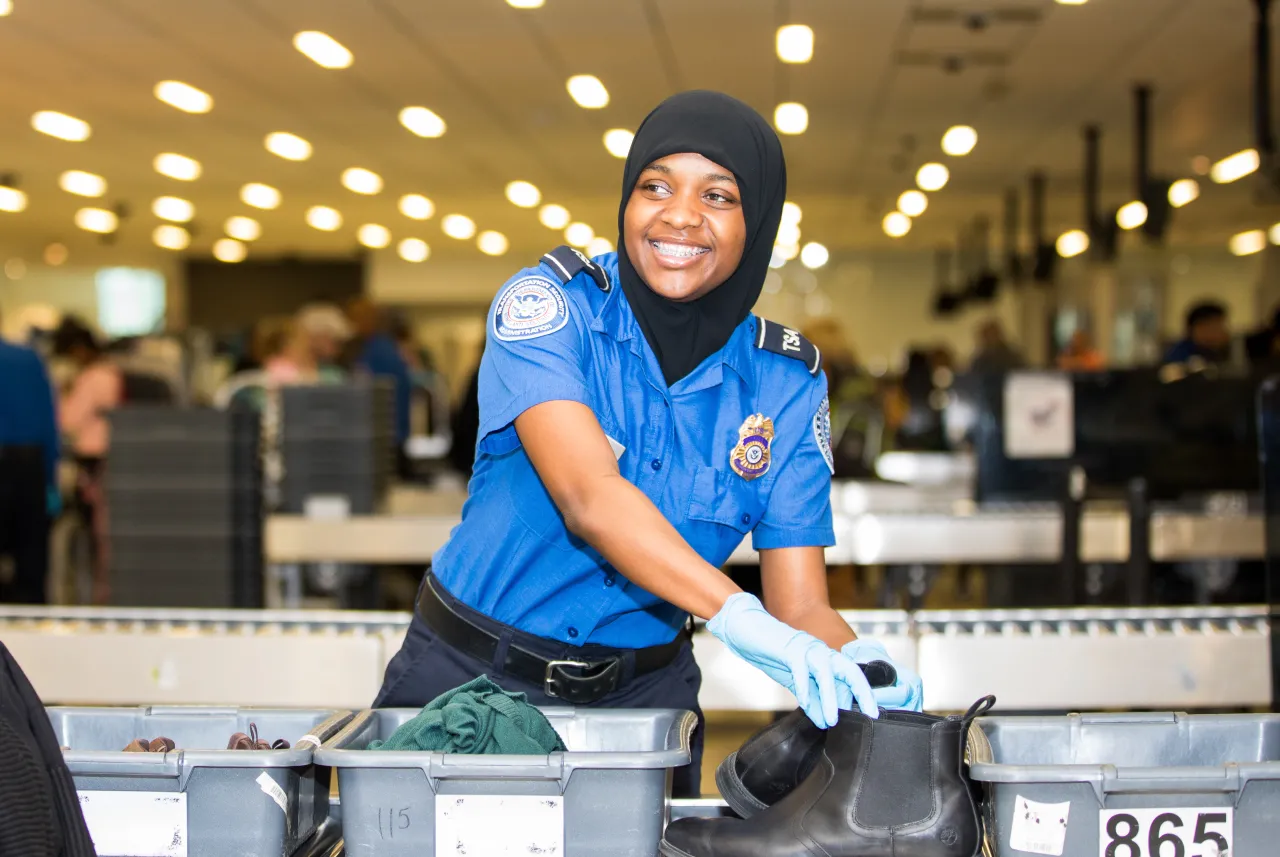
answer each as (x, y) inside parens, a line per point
(684, 228)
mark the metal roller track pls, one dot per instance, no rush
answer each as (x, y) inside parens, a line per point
(1080, 659)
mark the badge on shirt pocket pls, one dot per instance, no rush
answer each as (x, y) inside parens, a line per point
(750, 458)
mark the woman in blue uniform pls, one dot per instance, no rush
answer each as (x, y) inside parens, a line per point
(636, 423)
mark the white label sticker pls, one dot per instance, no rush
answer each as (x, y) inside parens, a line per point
(272, 790)
(1039, 415)
(530, 824)
(1039, 828)
(136, 824)
(1180, 831)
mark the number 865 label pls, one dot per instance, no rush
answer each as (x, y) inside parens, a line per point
(1180, 832)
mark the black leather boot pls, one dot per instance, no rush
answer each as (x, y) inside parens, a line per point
(879, 788)
(778, 758)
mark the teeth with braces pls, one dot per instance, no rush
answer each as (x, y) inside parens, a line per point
(678, 249)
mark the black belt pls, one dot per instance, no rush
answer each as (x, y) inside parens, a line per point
(580, 678)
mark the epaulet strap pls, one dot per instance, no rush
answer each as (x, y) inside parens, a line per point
(772, 336)
(568, 263)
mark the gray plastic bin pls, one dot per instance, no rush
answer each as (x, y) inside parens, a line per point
(615, 780)
(228, 812)
(1111, 762)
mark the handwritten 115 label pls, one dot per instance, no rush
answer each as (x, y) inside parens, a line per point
(529, 824)
(1173, 832)
(136, 824)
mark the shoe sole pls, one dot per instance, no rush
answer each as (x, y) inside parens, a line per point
(668, 850)
(734, 792)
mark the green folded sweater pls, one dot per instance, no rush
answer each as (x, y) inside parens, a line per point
(478, 718)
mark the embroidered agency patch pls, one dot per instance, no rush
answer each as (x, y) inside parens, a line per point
(822, 432)
(530, 308)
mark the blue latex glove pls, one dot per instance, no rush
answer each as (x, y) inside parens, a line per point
(53, 502)
(817, 675)
(907, 694)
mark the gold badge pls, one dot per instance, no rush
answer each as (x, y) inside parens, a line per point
(750, 458)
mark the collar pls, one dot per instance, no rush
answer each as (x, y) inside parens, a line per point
(616, 320)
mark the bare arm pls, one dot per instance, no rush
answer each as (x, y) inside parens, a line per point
(795, 592)
(576, 464)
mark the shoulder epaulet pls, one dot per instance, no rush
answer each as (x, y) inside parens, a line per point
(772, 336)
(568, 263)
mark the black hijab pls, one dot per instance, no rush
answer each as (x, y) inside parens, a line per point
(728, 132)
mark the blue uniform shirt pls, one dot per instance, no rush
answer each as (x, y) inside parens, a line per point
(512, 557)
(27, 415)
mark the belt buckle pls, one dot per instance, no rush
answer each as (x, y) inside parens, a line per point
(551, 667)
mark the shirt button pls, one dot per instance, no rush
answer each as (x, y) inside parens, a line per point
(573, 633)
(746, 519)
(656, 464)
(608, 581)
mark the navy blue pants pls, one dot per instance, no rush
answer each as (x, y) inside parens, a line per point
(426, 667)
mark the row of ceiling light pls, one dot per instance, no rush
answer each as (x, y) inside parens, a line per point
(958, 141)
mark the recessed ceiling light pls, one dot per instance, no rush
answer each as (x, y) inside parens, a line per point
(932, 177)
(618, 141)
(1183, 191)
(229, 250)
(492, 243)
(324, 218)
(1072, 2)
(896, 224)
(795, 43)
(775, 261)
(243, 228)
(458, 226)
(912, 203)
(61, 125)
(599, 246)
(178, 167)
(360, 180)
(1273, 234)
(262, 196)
(1235, 167)
(1072, 243)
(415, 206)
(82, 184)
(523, 194)
(374, 235)
(6, 7)
(526, 4)
(791, 212)
(173, 208)
(579, 234)
(553, 216)
(1248, 243)
(814, 255)
(184, 96)
(786, 252)
(171, 237)
(322, 49)
(421, 121)
(97, 220)
(12, 200)
(788, 233)
(587, 91)
(414, 250)
(959, 140)
(291, 147)
(791, 117)
(1131, 215)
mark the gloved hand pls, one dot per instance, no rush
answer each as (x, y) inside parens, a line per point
(906, 694)
(817, 675)
(53, 502)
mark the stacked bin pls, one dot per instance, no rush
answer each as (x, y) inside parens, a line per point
(337, 442)
(184, 500)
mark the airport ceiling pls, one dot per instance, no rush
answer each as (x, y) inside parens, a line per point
(886, 80)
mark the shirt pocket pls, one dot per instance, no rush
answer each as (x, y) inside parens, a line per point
(723, 497)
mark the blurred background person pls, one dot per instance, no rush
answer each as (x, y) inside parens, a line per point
(96, 388)
(1207, 336)
(993, 353)
(28, 473)
(374, 351)
(917, 411)
(1079, 355)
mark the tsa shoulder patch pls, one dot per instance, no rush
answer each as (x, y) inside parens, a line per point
(822, 432)
(528, 308)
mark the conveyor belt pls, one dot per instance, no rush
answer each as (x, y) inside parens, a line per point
(1031, 659)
